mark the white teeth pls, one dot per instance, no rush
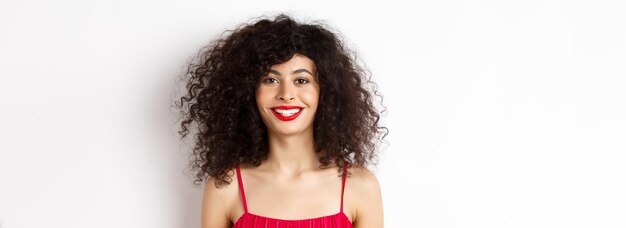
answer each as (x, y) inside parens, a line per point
(287, 112)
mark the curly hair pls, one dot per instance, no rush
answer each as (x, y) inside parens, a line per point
(220, 97)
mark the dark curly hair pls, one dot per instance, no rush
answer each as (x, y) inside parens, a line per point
(220, 97)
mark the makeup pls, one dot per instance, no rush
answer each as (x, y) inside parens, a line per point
(287, 113)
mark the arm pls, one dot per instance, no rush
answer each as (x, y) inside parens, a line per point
(215, 206)
(369, 206)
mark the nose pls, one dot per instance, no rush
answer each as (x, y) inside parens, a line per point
(286, 93)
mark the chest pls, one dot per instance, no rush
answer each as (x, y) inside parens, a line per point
(293, 198)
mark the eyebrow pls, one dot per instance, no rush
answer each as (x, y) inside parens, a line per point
(294, 72)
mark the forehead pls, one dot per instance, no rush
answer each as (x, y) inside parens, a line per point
(296, 62)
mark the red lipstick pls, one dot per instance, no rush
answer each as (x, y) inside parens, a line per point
(289, 110)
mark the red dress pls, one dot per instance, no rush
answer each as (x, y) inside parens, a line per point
(247, 220)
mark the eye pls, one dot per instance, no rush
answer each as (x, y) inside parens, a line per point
(270, 80)
(302, 81)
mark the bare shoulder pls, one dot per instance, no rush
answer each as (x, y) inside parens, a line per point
(224, 191)
(364, 198)
(362, 179)
(218, 201)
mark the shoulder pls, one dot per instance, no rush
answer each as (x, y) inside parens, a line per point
(218, 202)
(221, 192)
(364, 198)
(362, 179)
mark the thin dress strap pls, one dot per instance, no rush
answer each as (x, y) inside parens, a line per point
(343, 183)
(243, 193)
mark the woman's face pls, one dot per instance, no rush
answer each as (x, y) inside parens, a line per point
(288, 95)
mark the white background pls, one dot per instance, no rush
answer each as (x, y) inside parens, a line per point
(501, 113)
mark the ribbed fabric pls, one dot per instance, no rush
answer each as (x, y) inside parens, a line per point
(247, 220)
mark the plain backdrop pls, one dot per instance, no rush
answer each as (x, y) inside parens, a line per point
(501, 113)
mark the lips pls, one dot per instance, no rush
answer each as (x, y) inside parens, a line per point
(287, 113)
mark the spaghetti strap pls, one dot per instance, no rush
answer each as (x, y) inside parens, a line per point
(243, 193)
(343, 183)
(249, 220)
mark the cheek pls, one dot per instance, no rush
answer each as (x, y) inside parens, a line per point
(261, 96)
(311, 97)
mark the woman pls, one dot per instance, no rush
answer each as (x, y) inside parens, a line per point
(286, 128)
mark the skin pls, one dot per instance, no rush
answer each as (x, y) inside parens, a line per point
(290, 184)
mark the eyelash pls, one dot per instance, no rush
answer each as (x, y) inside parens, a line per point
(268, 80)
(301, 79)
(297, 80)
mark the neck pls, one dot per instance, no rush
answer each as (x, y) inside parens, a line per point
(292, 153)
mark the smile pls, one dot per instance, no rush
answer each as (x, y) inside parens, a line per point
(286, 113)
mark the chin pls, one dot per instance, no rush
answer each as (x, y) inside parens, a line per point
(289, 131)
